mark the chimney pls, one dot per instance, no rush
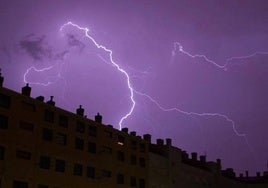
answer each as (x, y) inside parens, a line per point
(133, 133)
(26, 90)
(98, 118)
(241, 175)
(51, 102)
(203, 158)
(169, 142)
(219, 163)
(40, 98)
(125, 130)
(258, 174)
(147, 137)
(1, 79)
(194, 156)
(160, 142)
(246, 174)
(80, 111)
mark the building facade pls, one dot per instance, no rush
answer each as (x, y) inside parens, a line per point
(43, 146)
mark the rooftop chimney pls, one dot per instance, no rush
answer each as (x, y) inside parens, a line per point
(160, 142)
(246, 174)
(169, 142)
(147, 137)
(133, 133)
(258, 174)
(80, 111)
(40, 98)
(1, 79)
(125, 130)
(98, 118)
(26, 90)
(51, 102)
(194, 156)
(203, 158)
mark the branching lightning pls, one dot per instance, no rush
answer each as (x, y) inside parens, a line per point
(36, 70)
(177, 48)
(110, 52)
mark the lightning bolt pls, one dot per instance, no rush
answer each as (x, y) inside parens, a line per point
(36, 70)
(179, 47)
(110, 52)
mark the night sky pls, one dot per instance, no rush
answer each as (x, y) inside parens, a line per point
(205, 57)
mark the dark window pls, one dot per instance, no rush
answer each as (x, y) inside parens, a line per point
(92, 130)
(133, 160)
(3, 122)
(79, 143)
(63, 121)
(2, 153)
(108, 134)
(42, 186)
(49, 116)
(90, 172)
(120, 156)
(92, 147)
(20, 184)
(133, 144)
(4, 101)
(133, 181)
(80, 127)
(44, 162)
(26, 126)
(61, 139)
(106, 149)
(28, 106)
(78, 169)
(47, 134)
(106, 173)
(60, 165)
(23, 154)
(121, 140)
(142, 162)
(120, 179)
(141, 183)
(142, 147)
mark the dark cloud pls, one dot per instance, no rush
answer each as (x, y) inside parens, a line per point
(73, 41)
(35, 47)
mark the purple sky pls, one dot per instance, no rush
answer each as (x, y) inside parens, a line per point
(142, 36)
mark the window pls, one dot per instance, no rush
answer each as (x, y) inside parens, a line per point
(106, 173)
(49, 116)
(120, 156)
(92, 130)
(3, 122)
(28, 106)
(2, 153)
(80, 127)
(61, 139)
(79, 144)
(20, 184)
(78, 169)
(142, 162)
(26, 126)
(108, 134)
(4, 101)
(106, 149)
(120, 178)
(44, 162)
(133, 181)
(63, 121)
(121, 140)
(142, 147)
(90, 172)
(92, 147)
(133, 160)
(60, 165)
(47, 134)
(141, 183)
(133, 144)
(42, 186)
(23, 154)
